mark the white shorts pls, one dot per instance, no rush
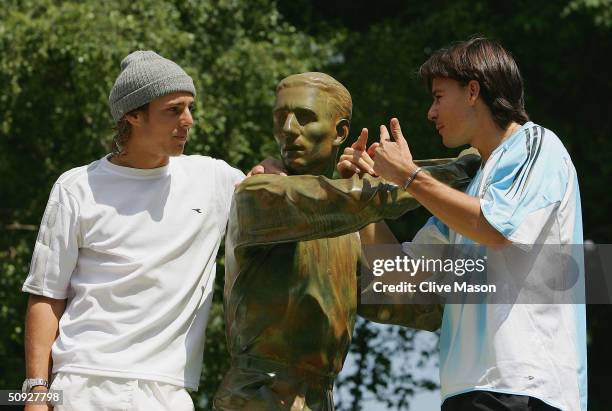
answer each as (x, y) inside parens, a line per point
(95, 393)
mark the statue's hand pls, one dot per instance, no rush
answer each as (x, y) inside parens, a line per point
(269, 166)
(356, 159)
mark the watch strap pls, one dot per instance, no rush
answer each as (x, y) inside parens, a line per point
(30, 383)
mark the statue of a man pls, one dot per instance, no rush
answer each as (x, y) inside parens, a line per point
(292, 253)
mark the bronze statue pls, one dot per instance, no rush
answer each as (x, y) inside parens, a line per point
(292, 253)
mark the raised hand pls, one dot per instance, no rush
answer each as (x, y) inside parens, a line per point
(356, 159)
(392, 157)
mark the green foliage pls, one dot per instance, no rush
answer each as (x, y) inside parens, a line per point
(600, 10)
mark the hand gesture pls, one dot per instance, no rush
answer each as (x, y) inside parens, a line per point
(356, 159)
(392, 158)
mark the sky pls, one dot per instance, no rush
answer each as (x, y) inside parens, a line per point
(422, 401)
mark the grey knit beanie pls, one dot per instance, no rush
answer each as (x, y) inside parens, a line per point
(145, 75)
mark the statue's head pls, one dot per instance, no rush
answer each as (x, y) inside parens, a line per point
(312, 116)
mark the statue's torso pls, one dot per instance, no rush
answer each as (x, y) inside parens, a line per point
(295, 303)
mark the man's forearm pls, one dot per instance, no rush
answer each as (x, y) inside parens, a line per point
(41, 330)
(461, 212)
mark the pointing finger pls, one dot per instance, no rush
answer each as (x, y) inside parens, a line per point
(362, 140)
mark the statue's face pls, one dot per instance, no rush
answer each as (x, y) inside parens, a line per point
(305, 129)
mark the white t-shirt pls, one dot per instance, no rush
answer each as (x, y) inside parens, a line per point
(133, 251)
(528, 191)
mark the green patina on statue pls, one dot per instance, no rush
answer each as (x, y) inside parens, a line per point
(292, 257)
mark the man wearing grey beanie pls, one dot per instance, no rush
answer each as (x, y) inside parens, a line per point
(123, 269)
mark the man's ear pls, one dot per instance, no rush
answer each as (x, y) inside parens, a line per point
(135, 118)
(342, 131)
(473, 91)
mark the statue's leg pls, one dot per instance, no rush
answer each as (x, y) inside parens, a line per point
(245, 389)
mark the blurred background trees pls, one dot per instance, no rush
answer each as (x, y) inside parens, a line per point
(58, 60)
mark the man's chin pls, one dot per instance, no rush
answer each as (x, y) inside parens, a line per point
(177, 151)
(452, 142)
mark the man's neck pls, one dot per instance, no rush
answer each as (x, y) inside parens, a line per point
(490, 136)
(143, 161)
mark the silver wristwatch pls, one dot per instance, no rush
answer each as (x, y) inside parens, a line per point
(30, 383)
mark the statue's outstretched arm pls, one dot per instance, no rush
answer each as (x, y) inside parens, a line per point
(272, 209)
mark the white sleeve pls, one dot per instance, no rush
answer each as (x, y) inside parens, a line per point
(227, 179)
(526, 187)
(56, 249)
